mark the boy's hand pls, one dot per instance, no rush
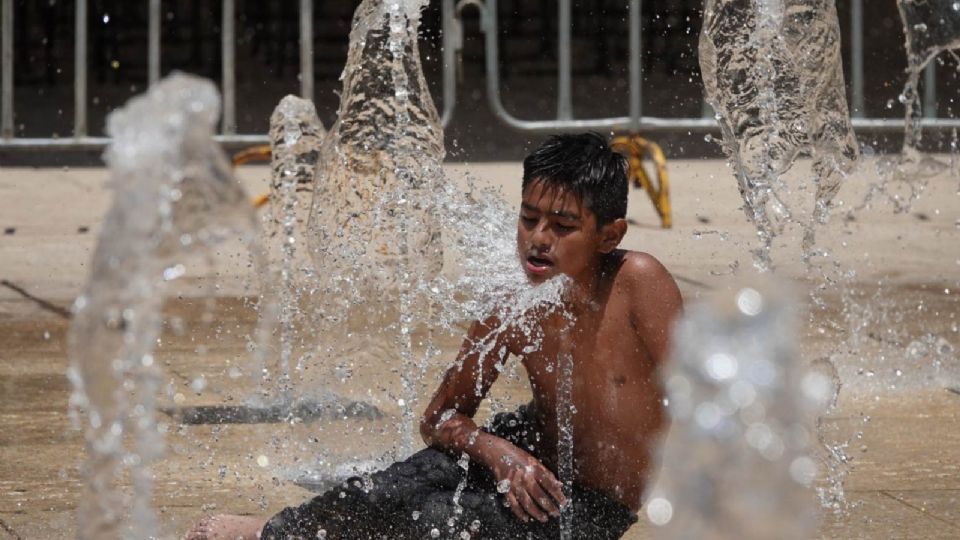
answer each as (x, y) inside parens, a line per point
(531, 490)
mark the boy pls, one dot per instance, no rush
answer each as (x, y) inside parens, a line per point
(614, 326)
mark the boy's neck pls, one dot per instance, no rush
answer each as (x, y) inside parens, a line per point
(584, 289)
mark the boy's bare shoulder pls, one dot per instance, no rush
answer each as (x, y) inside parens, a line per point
(653, 300)
(647, 285)
(642, 273)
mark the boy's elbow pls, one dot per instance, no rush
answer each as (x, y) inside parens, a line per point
(424, 433)
(427, 428)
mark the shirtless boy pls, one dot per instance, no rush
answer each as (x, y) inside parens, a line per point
(615, 324)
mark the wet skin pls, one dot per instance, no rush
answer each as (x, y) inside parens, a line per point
(623, 305)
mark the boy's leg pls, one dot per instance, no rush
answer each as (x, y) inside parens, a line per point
(387, 504)
(518, 428)
(598, 517)
(595, 515)
(411, 498)
(483, 514)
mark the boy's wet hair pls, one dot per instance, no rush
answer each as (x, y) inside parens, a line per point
(585, 165)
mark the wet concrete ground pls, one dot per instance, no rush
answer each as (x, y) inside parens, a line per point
(904, 437)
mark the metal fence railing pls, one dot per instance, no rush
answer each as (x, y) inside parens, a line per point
(633, 120)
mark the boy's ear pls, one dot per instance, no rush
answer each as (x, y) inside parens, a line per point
(611, 234)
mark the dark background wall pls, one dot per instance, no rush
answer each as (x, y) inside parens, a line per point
(267, 64)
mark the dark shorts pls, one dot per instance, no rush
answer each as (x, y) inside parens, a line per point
(415, 499)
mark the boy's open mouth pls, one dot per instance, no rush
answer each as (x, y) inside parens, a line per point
(538, 265)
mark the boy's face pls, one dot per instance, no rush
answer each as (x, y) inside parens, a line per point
(557, 234)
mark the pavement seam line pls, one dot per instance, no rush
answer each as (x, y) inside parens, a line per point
(10, 530)
(49, 306)
(921, 510)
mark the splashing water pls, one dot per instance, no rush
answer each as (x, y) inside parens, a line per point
(931, 27)
(174, 195)
(736, 463)
(372, 213)
(373, 231)
(772, 72)
(295, 136)
(565, 412)
(375, 291)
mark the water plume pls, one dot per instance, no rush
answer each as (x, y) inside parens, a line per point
(738, 462)
(772, 72)
(174, 195)
(931, 27)
(379, 284)
(296, 134)
(372, 218)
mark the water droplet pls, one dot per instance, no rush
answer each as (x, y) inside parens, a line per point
(503, 486)
(721, 366)
(106, 18)
(708, 415)
(803, 470)
(749, 301)
(660, 511)
(173, 272)
(198, 384)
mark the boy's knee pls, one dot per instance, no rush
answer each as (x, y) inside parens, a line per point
(427, 467)
(286, 524)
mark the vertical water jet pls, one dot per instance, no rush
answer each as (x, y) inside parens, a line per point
(772, 72)
(296, 134)
(737, 461)
(374, 234)
(174, 195)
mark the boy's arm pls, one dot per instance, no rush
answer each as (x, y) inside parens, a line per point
(448, 424)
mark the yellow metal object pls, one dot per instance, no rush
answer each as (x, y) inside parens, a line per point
(256, 153)
(261, 200)
(636, 148)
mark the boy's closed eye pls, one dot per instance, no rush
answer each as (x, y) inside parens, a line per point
(561, 226)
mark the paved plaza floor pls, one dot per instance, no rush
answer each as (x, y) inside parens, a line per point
(900, 286)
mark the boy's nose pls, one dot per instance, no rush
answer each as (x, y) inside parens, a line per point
(541, 238)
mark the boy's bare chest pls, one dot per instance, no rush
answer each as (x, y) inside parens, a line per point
(599, 349)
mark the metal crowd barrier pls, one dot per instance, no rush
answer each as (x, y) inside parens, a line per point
(452, 10)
